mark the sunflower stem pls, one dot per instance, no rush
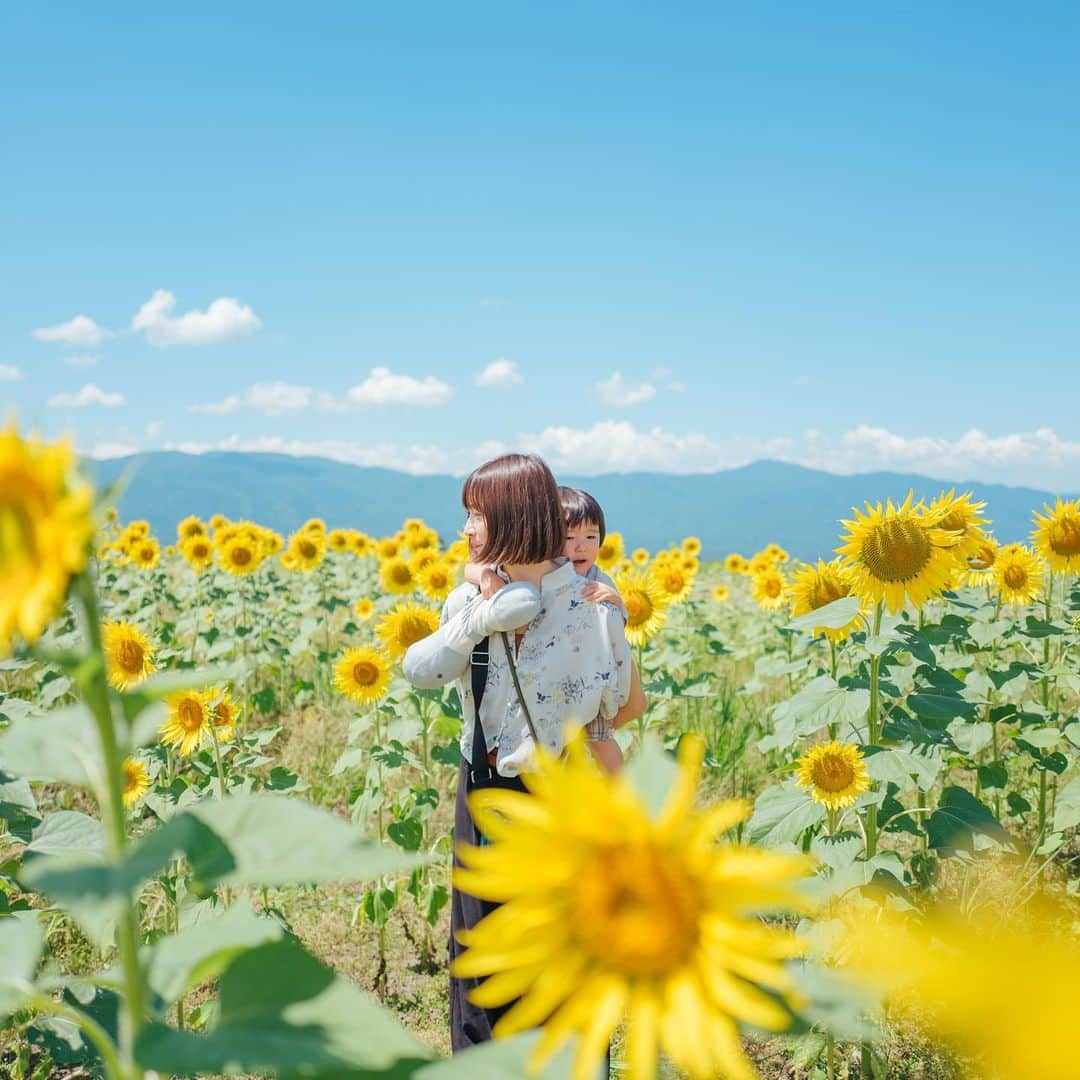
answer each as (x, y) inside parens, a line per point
(872, 734)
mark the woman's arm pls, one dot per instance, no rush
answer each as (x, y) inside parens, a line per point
(636, 704)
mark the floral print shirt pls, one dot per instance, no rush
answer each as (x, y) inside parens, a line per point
(574, 664)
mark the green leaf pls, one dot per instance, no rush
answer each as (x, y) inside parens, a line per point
(407, 834)
(903, 768)
(834, 616)
(18, 809)
(59, 747)
(1067, 806)
(820, 703)
(21, 942)
(68, 831)
(281, 1011)
(501, 1059)
(651, 772)
(939, 708)
(176, 963)
(781, 814)
(958, 818)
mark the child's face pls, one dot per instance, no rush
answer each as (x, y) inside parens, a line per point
(582, 545)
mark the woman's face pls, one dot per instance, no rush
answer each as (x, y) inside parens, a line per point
(475, 532)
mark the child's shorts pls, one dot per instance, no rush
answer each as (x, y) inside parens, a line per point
(600, 730)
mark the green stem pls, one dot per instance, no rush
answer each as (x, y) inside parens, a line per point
(217, 761)
(90, 1027)
(872, 730)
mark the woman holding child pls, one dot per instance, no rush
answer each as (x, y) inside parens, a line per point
(525, 638)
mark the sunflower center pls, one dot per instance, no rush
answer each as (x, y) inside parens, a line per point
(401, 575)
(673, 581)
(983, 559)
(438, 580)
(222, 715)
(896, 550)
(241, 556)
(832, 773)
(412, 631)
(953, 521)
(606, 551)
(638, 608)
(1015, 577)
(17, 536)
(132, 775)
(307, 549)
(130, 656)
(1065, 537)
(365, 673)
(773, 587)
(190, 715)
(825, 591)
(638, 910)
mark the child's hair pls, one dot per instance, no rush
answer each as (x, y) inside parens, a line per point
(580, 509)
(518, 497)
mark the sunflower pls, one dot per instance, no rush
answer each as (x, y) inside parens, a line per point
(240, 556)
(272, 541)
(897, 553)
(457, 554)
(389, 547)
(834, 773)
(610, 911)
(691, 545)
(436, 580)
(959, 514)
(769, 589)
(424, 539)
(136, 780)
(315, 527)
(422, 558)
(365, 608)
(720, 593)
(199, 553)
(405, 625)
(1018, 574)
(188, 720)
(218, 521)
(610, 551)
(760, 561)
(129, 656)
(814, 587)
(363, 674)
(189, 527)
(397, 577)
(224, 713)
(338, 539)
(640, 557)
(673, 581)
(145, 553)
(981, 562)
(777, 553)
(306, 550)
(734, 563)
(136, 530)
(361, 544)
(1057, 535)
(46, 526)
(645, 605)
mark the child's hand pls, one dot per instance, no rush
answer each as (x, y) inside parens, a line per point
(490, 582)
(599, 593)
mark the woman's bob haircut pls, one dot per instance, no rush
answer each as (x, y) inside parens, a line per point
(519, 501)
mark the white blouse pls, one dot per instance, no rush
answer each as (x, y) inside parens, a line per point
(574, 664)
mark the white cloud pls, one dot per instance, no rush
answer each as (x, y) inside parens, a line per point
(88, 395)
(80, 330)
(224, 320)
(105, 450)
(614, 392)
(81, 360)
(219, 408)
(9, 373)
(383, 387)
(270, 399)
(499, 373)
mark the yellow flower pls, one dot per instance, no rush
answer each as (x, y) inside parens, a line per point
(673, 581)
(760, 562)
(129, 656)
(959, 514)
(1057, 535)
(338, 539)
(645, 606)
(610, 551)
(424, 539)
(834, 773)
(897, 553)
(735, 563)
(306, 550)
(777, 553)
(240, 555)
(188, 720)
(814, 587)
(136, 530)
(640, 557)
(365, 608)
(388, 547)
(314, 526)
(145, 553)
(223, 711)
(457, 554)
(199, 553)
(136, 780)
(363, 674)
(691, 545)
(218, 521)
(397, 577)
(980, 562)
(424, 557)
(1018, 574)
(436, 580)
(404, 626)
(361, 544)
(769, 589)
(607, 911)
(720, 593)
(189, 527)
(45, 531)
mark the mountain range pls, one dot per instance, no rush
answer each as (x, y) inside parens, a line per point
(733, 510)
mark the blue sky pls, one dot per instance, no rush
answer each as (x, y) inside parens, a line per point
(675, 237)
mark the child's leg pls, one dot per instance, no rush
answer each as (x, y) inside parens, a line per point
(607, 754)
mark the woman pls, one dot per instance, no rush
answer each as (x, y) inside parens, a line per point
(571, 659)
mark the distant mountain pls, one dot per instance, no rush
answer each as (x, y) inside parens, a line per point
(734, 510)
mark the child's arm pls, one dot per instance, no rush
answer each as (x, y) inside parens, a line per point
(484, 578)
(601, 593)
(636, 703)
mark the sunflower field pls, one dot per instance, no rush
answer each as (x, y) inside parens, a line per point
(844, 843)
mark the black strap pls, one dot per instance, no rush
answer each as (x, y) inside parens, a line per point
(481, 767)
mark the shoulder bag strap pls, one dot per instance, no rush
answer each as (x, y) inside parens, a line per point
(517, 687)
(479, 672)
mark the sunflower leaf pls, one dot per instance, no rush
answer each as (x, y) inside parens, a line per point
(834, 616)
(781, 815)
(21, 942)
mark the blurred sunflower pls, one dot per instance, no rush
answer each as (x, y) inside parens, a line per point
(834, 774)
(814, 587)
(424, 539)
(388, 547)
(364, 608)
(959, 514)
(777, 553)
(306, 551)
(691, 545)
(610, 911)
(457, 554)
(361, 544)
(610, 551)
(397, 577)
(895, 554)
(640, 557)
(46, 526)
(405, 625)
(338, 539)
(769, 589)
(1057, 535)
(720, 593)
(981, 562)
(436, 580)
(145, 553)
(223, 711)
(136, 780)
(422, 558)
(736, 563)
(314, 526)
(645, 605)
(189, 527)
(136, 530)
(363, 674)
(188, 720)
(129, 656)
(218, 521)
(240, 556)
(1018, 574)
(673, 581)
